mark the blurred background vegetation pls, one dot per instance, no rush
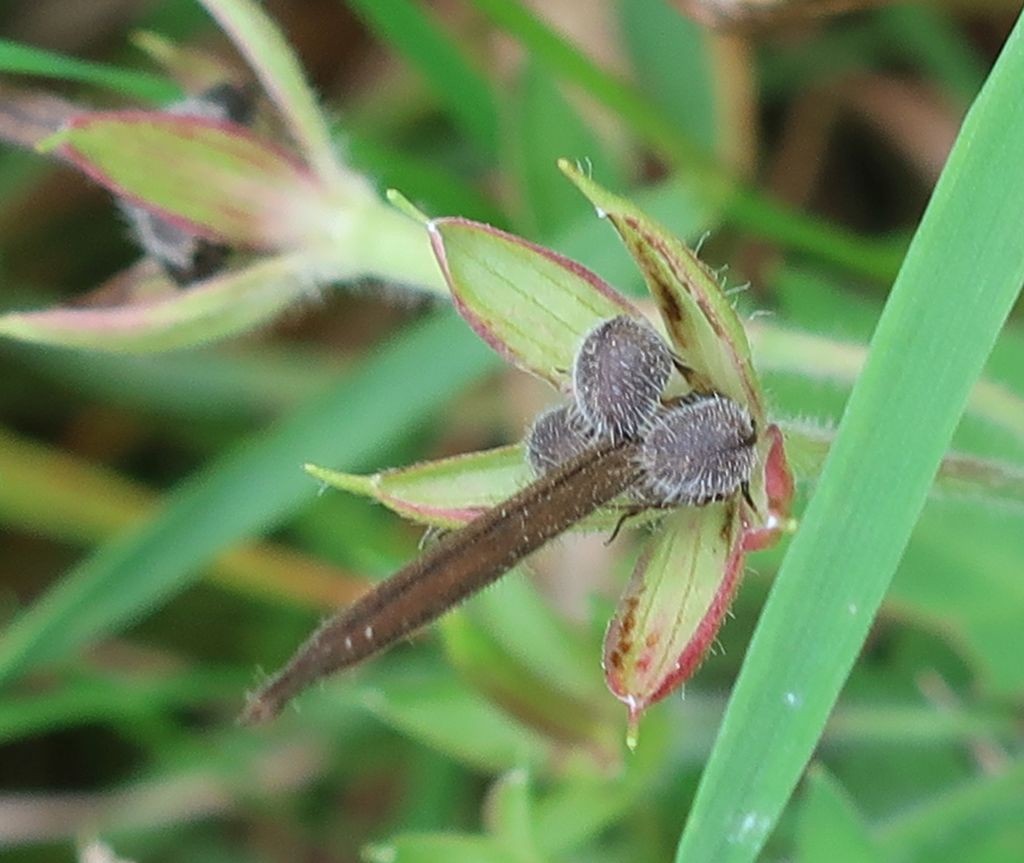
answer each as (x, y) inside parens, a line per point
(134, 479)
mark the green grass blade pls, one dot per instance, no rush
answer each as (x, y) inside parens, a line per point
(430, 847)
(948, 821)
(746, 207)
(672, 58)
(236, 387)
(247, 491)
(544, 127)
(829, 827)
(259, 40)
(551, 49)
(436, 55)
(21, 59)
(928, 37)
(434, 187)
(111, 700)
(960, 278)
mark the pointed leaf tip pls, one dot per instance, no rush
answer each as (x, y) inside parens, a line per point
(698, 316)
(532, 305)
(404, 205)
(443, 493)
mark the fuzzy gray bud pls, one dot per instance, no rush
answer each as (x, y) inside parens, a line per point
(554, 438)
(697, 451)
(618, 376)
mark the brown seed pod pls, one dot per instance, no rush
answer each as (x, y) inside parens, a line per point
(696, 451)
(555, 437)
(618, 376)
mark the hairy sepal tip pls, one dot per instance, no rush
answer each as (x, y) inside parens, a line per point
(674, 604)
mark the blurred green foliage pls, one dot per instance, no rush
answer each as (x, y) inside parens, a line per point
(806, 154)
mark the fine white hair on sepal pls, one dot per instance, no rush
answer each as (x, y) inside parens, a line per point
(738, 289)
(697, 451)
(618, 377)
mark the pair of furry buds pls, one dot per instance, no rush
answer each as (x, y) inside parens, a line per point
(690, 451)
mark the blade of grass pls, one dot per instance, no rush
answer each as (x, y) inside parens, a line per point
(247, 491)
(434, 188)
(543, 127)
(113, 699)
(205, 386)
(672, 59)
(19, 59)
(257, 38)
(820, 358)
(746, 207)
(961, 276)
(931, 827)
(929, 38)
(829, 827)
(441, 61)
(59, 495)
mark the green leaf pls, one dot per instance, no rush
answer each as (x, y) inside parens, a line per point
(440, 712)
(509, 816)
(531, 305)
(222, 306)
(539, 704)
(440, 59)
(19, 59)
(961, 276)
(671, 202)
(829, 826)
(543, 127)
(250, 489)
(270, 57)
(216, 179)
(432, 847)
(673, 606)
